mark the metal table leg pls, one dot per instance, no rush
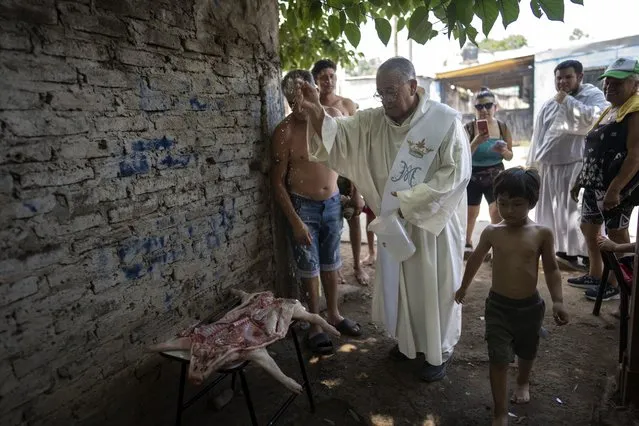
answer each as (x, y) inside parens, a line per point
(178, 415)
(247, 397)
(300, 359)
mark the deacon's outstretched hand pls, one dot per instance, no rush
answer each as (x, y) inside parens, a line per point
(307, 95)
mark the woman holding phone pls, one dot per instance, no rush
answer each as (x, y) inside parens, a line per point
(490, 143)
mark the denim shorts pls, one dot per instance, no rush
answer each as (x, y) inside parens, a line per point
(324, 221)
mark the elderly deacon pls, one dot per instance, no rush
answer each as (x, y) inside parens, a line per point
(410, 157)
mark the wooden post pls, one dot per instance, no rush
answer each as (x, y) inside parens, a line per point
(630, 366)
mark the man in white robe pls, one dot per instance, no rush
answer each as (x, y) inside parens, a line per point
(414, 298)
(557, 151)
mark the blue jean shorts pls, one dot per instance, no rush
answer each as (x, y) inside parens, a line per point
(324, 221)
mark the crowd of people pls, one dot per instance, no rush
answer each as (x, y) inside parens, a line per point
(414, 158)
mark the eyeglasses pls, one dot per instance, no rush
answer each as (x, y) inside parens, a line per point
(485, 106)
(389, 94)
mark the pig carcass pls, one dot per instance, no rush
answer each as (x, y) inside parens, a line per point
(243, 334)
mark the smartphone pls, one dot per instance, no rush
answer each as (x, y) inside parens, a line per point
(482, 126)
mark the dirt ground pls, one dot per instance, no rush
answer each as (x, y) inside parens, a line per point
(359, 384)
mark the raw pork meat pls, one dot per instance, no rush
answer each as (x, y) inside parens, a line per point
(243, 334)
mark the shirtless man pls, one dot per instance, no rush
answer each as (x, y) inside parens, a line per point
(514, 309)
(324, 73)
(308, 196)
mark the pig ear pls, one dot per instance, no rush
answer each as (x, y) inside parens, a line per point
(239, 293)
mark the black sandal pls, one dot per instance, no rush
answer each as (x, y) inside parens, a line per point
(349, 328)
(320, 344)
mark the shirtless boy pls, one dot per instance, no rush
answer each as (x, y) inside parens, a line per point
(307, 194)
(324, 74)
(514, 309)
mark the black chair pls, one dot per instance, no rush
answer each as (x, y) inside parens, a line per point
(611, 263)
(183, 357)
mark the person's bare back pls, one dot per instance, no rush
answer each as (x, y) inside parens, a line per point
(516, 253)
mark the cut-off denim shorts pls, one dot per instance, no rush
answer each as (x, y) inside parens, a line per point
(324, 221)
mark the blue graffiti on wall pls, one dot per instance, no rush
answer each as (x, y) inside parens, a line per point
(138, 163)
(168, 299)
(129, 250)
(139, 256)
(177, 161)
(133, 272)
(153, 144)
(196, 105)
(134, 165)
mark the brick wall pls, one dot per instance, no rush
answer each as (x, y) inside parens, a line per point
(132, 193)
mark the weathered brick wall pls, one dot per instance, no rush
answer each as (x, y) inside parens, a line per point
(132, 193)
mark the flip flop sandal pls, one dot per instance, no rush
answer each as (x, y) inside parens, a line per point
(349, 328)
(320, 344)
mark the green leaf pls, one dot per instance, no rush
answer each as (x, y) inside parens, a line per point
(439, 11)
(384, 30)
(464, 11)
(401, 23)
(509, 11)
(472, 34)
(362, 12)
(315, 11)
(451, 19)
(404, 5)
(352, 34)
(342, 21)
(488, 11)
(460, 34)
(333, 26)
(353, 13)
(536, 8)
(581, 2)
(291, 17)
(419, 28)
(554, 9)
(417, 19)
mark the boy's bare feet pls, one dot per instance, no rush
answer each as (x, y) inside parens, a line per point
(361, 276)
(521, 394)
(500, 421)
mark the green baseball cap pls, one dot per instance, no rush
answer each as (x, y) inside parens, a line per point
(622, 68)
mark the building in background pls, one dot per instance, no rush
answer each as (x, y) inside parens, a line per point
(511, 79)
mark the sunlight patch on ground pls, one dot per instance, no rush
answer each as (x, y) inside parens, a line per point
(331, 383)
(382, 420)
(316, 358)
(347, 347)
